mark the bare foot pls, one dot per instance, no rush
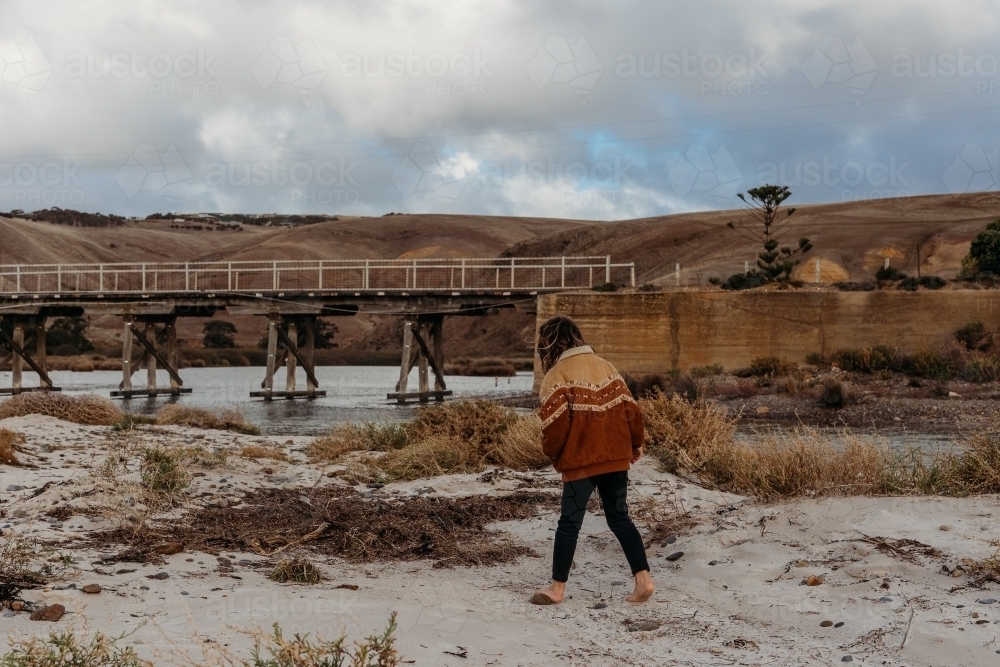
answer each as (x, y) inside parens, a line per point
(553, 592)
(644, 587)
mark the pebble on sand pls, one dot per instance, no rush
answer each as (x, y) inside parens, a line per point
(52, 612)
(675, 556)
(169, 548)
(644, 626)
(92, 589)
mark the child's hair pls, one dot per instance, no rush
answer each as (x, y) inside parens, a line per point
(555, 336)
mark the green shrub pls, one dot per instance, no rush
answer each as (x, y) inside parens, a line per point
(890, 273)
(743, 281)
(707, 371)
(63, 649)
(163, 471)
(374, 651)
(770, 367)
(930, 364)
(971, 334)
(932, 282)
(605, 287)
(816, 359)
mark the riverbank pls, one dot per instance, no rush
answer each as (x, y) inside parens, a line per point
(735, 596)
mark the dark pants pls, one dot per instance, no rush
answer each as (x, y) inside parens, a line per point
(612, 486)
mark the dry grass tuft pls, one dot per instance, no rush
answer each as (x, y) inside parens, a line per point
(463, 436)
(10, 444)
(298, 571)
(263, 452)
(520, 446)
(365, 437)
(481, 367)
(88, 409)
(429, 457)
(698, 439)
(221, 420)
(682, 434)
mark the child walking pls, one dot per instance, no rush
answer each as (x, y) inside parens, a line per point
(592, 430)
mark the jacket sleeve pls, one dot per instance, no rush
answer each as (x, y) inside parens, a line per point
(636, 428)
(556, 418)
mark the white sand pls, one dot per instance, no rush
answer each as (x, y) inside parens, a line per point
(748, 609)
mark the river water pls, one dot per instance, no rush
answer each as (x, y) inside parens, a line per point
(358, 393)
(353, 393)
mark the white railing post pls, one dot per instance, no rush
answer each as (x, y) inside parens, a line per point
(187, 277)
(367, 274)
(562, 280)
(591, 283)
(414, 274)
(59, 277)
(100, 274)
(144, 277)
(632, 268)
(229, 276)
(463, 274)
(18, 277)
(320, 275)
(607, 269)
(512, 273)
(274, 275)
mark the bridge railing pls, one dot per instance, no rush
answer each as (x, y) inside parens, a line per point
(375, 275)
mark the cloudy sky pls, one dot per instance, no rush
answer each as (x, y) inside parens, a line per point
(599, 109)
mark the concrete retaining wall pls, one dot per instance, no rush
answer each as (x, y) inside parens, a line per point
(654, 332)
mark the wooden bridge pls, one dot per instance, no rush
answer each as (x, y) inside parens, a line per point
(149, 297)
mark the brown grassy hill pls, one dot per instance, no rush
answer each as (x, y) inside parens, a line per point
(852, 240)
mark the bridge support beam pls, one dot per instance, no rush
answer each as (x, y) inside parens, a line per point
(148, 338)
(297, 336)
(19, 356)
(423, 344)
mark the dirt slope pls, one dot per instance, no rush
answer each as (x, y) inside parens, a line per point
(852, 240)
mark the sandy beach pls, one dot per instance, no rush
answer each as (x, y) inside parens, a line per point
(735, 597)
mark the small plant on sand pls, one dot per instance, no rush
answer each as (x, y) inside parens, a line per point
(130, 422)
(220, 420)
(17, 554)
(163, 471)
(300, 651)
(263, 452)
(10, 444)
(64, 649)
(88, 409)
(298, 571)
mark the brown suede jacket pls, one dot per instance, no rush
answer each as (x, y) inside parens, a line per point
(590, 423)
